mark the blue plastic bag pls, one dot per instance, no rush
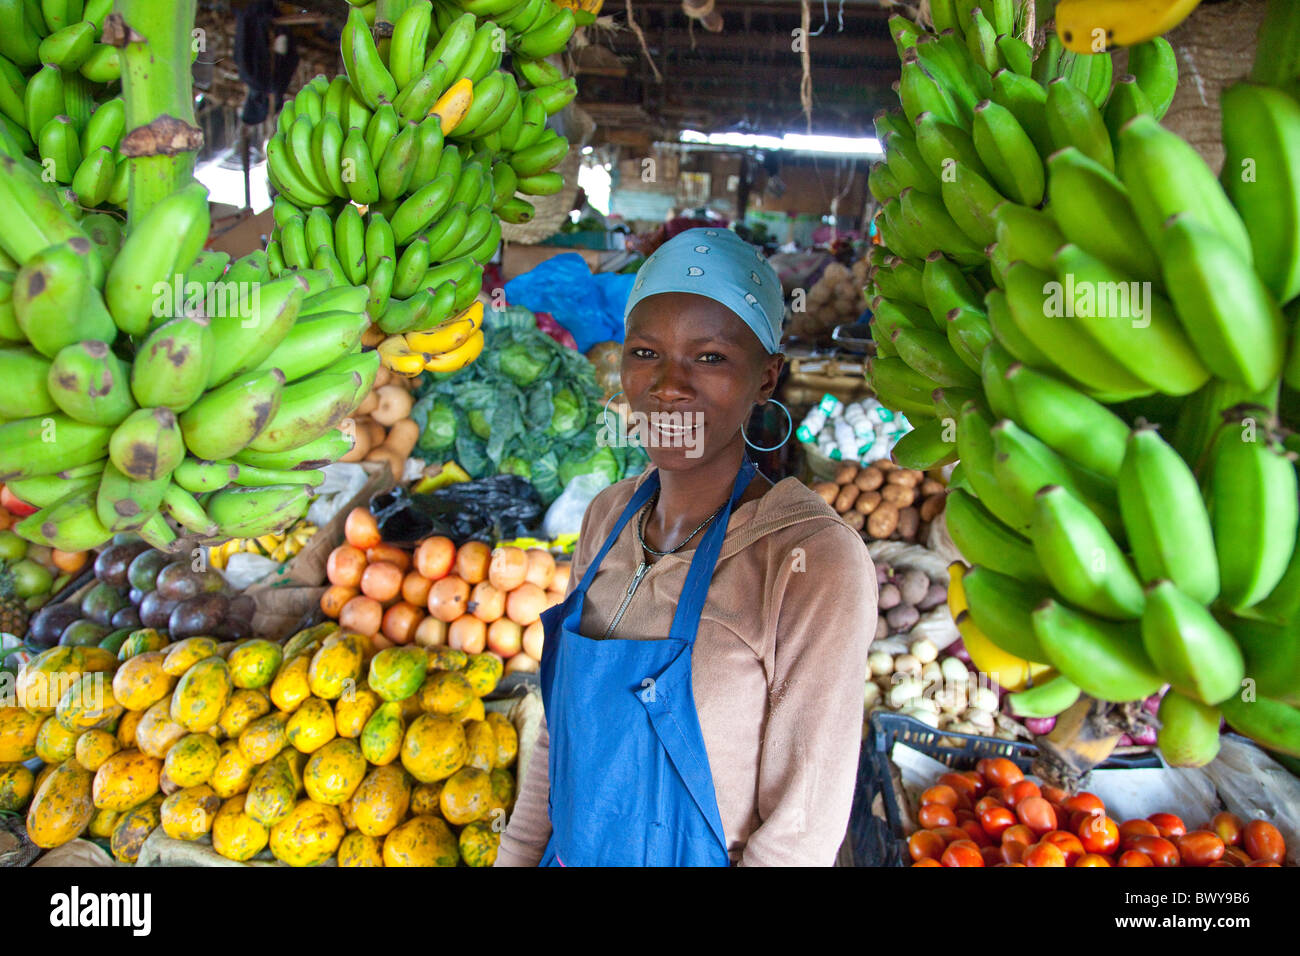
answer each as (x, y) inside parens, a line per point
(589, 306)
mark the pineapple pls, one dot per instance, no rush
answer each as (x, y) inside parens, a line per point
(13, 610)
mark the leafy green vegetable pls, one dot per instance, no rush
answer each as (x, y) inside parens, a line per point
(528, 406)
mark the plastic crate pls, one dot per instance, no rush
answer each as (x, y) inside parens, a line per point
(877, 842)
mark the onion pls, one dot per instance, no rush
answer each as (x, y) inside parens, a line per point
(953, 669)
(924, 651)
(907, 664)
(880, 663)
(1125, 741)
(1152, 704)
(1039, 725)
(1144, 736)
(958, 650)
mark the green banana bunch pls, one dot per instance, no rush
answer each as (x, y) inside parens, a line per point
(1105, 659)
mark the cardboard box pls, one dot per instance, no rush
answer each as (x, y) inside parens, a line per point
(247, 236)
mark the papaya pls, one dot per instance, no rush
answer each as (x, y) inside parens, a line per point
(381, 801)
(103, 823)
(434, 748)
(302, 641)
(265, 737)
(424, 799)
(183, 655)
(125, 780)
(351, 711)
(358, 849)
(481, 744)
(233, 773)
(201, 695)
(397, 672)
(133, 828)
(188, 813)
(272, 792)
(334, 772)
(16, 785)
(94, 747)
(244, 707)
(88, 703)
(156, 731)
(192, 759)
(44, 679)
(336, 667)
(62, 807)
(475, 711)
(507, 739)
(345, 811)
(254, 663)
(483, 672)
(19, 729)
(411, 707)
(309, 835)
(381, 739)
(126, 728)
(445, 692)
(236, 835)
(224, 649)
(503, 794)
(141, 682)
(141, 641)
(466, 796)
(55, 743)
(444, 658)
(478, 843)
(421, 841)
(44, 773)
(311, 726)
(290, 687)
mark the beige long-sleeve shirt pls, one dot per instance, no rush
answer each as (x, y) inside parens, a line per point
(778, 669)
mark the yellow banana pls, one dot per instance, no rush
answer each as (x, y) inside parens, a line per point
(1092, 26)
(396, 355)
(452, 106)
(459, 357)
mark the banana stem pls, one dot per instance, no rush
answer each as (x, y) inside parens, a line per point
(161, 142)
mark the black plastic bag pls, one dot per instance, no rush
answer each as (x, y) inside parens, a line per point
(488, 509)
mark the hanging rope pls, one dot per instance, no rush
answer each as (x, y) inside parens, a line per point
(805, 58)
(636, 28)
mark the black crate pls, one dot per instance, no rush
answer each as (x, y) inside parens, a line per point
(877, 842)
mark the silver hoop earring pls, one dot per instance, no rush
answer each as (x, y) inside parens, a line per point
(604, 415)
(789, 431)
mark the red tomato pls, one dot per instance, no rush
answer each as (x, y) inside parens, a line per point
(996, 793)
(1044, 854)
(1134, 858)
(1099, 834)
(1170, 825)
(963, 815)
(1013, 852)
(934, 815)
(1236, 856)
(961, 784)
(1084, 801)
(1199, 848)
(940, 794)
(1021, 790)
(996, 821)
(1160, 850)
(1130, 829)
(950, 834)
(976, 833)
(1053, 794)
(1264, 863)
(927, 862)
(1002, 772)
(1228, 826)
(1092, 859)
(1037, 814)
(982, 766)
(962, 853)
(986, 803)
(1019, 834)
(1068, 844)
(979, 782)
(992, 855)
(1263, 841)
(925, 844)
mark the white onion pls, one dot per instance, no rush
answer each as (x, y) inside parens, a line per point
(907, 664)
(880, 663)
(924, 650)
(953, 669)
(903, 692)
(873, 695)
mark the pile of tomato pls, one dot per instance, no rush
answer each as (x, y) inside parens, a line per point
(994, 816)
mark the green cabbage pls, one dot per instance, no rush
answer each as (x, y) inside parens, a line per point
(522, 364)
(566, 420)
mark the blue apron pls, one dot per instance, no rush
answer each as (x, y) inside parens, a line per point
(630, 783)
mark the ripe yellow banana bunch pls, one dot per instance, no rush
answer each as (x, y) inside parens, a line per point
(278, 547)
(447, 347)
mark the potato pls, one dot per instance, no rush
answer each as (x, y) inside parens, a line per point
(394, 403)
(932, 506)
(844, 500)
(925, 652)
(900, 496)
(869, 478)
(880, 663)
(828, 490)
(846, 473)
(361, 446)
(882, 522)
(872, 696)
(903, 618)
(907, 664)
(854, 519)
(889, 597)
(866, 502)
(936, 595)
(885, 465)
(907, 523)
(912, 585)
(368, 404)
(931, 486)
(882, 628)
(905, 476)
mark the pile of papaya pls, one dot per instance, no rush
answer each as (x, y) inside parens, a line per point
(318, 748)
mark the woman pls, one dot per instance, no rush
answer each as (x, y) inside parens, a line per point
(703, 679)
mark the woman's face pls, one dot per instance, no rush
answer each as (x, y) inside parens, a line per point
(692, 373)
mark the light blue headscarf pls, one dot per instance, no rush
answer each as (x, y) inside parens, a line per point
(717, 264)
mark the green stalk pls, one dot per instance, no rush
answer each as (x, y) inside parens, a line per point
(161, 141)
(1277, 56)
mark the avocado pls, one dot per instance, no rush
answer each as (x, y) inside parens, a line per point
(128, 616)
(83, 633)
(143, 570)
(178, 582)
(112, 564)
(113, 642)
(155, 610)
(101, 602)
(198, 617)
(49, 623)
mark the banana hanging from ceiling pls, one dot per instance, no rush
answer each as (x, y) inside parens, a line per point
(1091, 26)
